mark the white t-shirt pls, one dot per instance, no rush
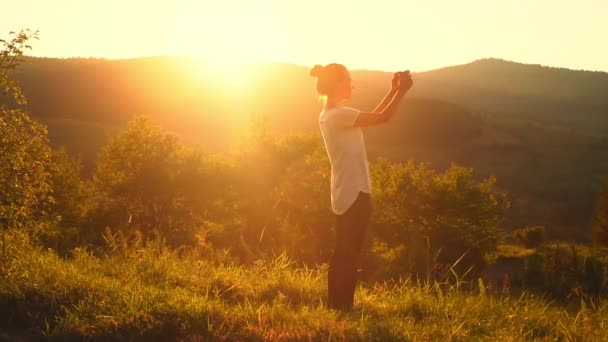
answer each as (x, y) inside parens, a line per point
(346, 150)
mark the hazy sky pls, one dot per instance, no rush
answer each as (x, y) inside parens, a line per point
(379, 34)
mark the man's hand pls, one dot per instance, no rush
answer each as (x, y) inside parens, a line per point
(405, 81)
(395, 83)
(400, 84)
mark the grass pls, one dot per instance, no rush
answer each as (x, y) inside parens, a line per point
(147, 292)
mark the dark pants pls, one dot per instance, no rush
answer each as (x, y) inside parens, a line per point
(342, 275)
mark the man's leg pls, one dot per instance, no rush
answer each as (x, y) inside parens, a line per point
(358, 228)
(338, 265)
(350, 228)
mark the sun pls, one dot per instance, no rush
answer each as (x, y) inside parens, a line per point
(233, 76)
(229, 33)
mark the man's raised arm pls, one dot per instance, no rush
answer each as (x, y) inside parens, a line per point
(404, 81)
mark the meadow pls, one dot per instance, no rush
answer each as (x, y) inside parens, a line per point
(145, 291)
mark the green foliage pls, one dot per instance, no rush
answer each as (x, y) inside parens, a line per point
(25, 172)
(283, 196)
(269, 197)
(39, 188)
(272, 197)
(135, 171)
(530, 237)
(146, 291)
(599, 223)
(439, 215)
(68, 190)
(147, 180)
(568, 270)
(11, 51)
(561, 271)
(66, 208)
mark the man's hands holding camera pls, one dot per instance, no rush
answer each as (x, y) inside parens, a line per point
(402, 81)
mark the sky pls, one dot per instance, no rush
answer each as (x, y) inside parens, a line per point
(379, 35)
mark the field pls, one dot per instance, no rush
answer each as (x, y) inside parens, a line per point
(144, 291)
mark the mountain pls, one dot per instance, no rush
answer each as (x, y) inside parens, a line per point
(543, 132)
(577, 98)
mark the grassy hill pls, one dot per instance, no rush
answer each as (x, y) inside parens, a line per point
(542, 131)
(143, 291)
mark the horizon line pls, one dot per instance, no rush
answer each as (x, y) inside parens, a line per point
(309, 65)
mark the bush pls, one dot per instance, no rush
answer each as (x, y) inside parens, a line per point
(25, 170)
(451, 214)
(40, 189)
(272, 197)
(567, 271)
(530, 237)
(147, 180)
(282, 186)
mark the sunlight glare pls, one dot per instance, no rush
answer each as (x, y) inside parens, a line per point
(227, 76)
(227, 37)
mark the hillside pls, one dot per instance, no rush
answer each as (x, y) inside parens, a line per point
(146, 292)
(501, 87)
(542, 131)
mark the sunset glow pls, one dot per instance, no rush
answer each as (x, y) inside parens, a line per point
(381, 35)
(229, 33)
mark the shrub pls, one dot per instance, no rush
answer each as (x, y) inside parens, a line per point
(530, 237)
(450, 212)
(25, 170)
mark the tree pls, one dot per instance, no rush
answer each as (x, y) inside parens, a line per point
(420, 213)
(65, 209)
(25, 155)
(25, 176)
(283, 196)
(39, 188)
(11, 52)
(134, 177)
(147, 180)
